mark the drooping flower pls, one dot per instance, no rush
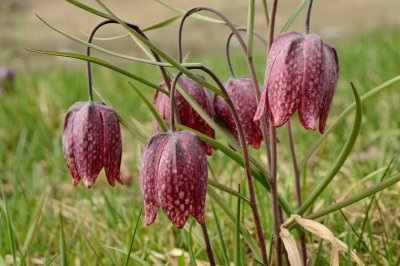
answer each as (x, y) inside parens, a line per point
(242, 95)
(174, 177)
(91, 141)
(302, 72)
(187, 115)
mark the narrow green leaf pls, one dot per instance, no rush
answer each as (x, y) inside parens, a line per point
(100, 62)
(219, 186)
(317, 254)
(133, 238)
(63, 247)
(250, 28)
(369, 95)
(341, 158)
(89, 9)
(220, 235)
(294, 15)
(183, 11)
(137, 259)
(162, 24)
(371, 202)
(112, 38)
(48, 263)
(35, 221)
(359, 237)
(106, 51)
(9, 228)
(245, 233)
(162, 54)
(237, 250)
(349, 246)
(156, 115)
(187, 235)
(359, 196)
(265, 9)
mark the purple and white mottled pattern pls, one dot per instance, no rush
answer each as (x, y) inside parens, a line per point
(174, 176)
(241, 92)
(301, 74)
(331, 76)
(283, 72)
(187, 115)
(91, 141)
(312, 87)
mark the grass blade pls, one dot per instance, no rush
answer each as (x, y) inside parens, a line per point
(341, 158)
(237, 250)
(294, 15)
(9, 228)
(162, 24)
(317, 254)
(133, 238)
(161, 53)
(229, 213)
(371, 202)
(63, 246)
(220, 235)
(100, 62)
(359, 196)
(265, 9)
(250, 28)
(182, 11)
(138, 260)
(89, 9)
(106, 51)
(187, 235)
(219, 186)
(34, 222)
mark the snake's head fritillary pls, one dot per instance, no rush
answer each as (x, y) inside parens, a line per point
(241, 92)
(91, 141)
(187, 115)
(302, 73)
(173, 176)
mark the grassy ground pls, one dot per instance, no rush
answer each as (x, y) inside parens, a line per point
(97, 224)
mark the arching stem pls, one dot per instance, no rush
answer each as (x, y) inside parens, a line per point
(308, 16)
(249, 60)
(264, 124)
(135, 28)
(245, 154)
(227, 47)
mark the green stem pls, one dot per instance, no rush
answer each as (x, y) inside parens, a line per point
(359, 196)
(340, 160)
(265, 8)
(250, 28)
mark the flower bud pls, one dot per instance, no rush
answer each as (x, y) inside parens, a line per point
(174, 177)
(91, 141)
(187, 115)
(242, 95)
(302, 72)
